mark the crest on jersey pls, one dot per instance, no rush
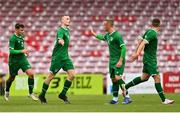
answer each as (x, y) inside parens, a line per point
(110, 40)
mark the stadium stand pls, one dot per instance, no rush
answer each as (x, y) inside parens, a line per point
(132, 18)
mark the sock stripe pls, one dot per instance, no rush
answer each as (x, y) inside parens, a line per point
(133, 82)
(66, 87)
(161, 92)
(44, 90)
(31, 85)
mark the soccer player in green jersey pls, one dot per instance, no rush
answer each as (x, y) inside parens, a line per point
(60, 59)
(149, 42)
(18, 60)
(117, 50)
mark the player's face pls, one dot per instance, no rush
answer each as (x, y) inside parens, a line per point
(20, 31)
(158, 28)
(66, 20)
(106, 26)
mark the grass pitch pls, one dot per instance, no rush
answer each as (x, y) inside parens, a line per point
(91, 103)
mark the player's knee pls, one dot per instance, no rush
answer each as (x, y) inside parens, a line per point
(71, 77)
(113, 80)
(11, 78)
(157, 78)
(50, 77)
(117, 78)
(144, 78)
(30, 73)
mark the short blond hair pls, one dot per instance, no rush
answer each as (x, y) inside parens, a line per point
(110, 21)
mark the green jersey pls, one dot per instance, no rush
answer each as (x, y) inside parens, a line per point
(60, 52)
(150, 50)
(115, 43)
(16, 43)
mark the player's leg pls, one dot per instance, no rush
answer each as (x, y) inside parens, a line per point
(3, 83)
(55, 67)
(69, 68)
(30, 74)
(118, 77)
(13, 70)
(139, 79)
(26, 67)
(45, 88)
(8, 85)
(68, 82)
(158, 87)
(115, 91)
(160, 90)
(67, 85)
(115, 85)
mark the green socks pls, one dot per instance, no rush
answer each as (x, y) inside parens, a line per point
(134, 82)
(121, 82)
(122, 85)
(160, 91)
(31, 85)
(115, 89)
(67, 85)
(44, 89)
(8, 85)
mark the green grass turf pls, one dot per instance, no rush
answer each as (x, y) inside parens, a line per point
(91, 103)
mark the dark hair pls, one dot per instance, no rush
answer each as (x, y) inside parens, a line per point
(110, 21)
(18, 26)
(156, 22)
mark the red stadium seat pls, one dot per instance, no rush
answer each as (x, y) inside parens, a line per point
(132, 18)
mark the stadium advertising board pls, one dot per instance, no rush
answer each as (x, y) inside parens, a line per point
(83, 84)
(171, 82)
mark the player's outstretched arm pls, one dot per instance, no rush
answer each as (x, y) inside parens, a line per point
(98, 36)
(92, 32)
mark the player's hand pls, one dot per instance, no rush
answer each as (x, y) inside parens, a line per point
(134, 57)
(119, 64)
(92, 31)
(25, 51)
(61, 41)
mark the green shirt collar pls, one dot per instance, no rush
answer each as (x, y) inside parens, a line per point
(18, 36)
(154, 30)
(112, 32)
(65, 28)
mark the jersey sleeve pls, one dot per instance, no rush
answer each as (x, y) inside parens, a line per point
(12, 43)
(12, 51)
(120, 40)
(60, 34)
(123, 51)
(149, 36)
(100, 36)
(140, 37)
